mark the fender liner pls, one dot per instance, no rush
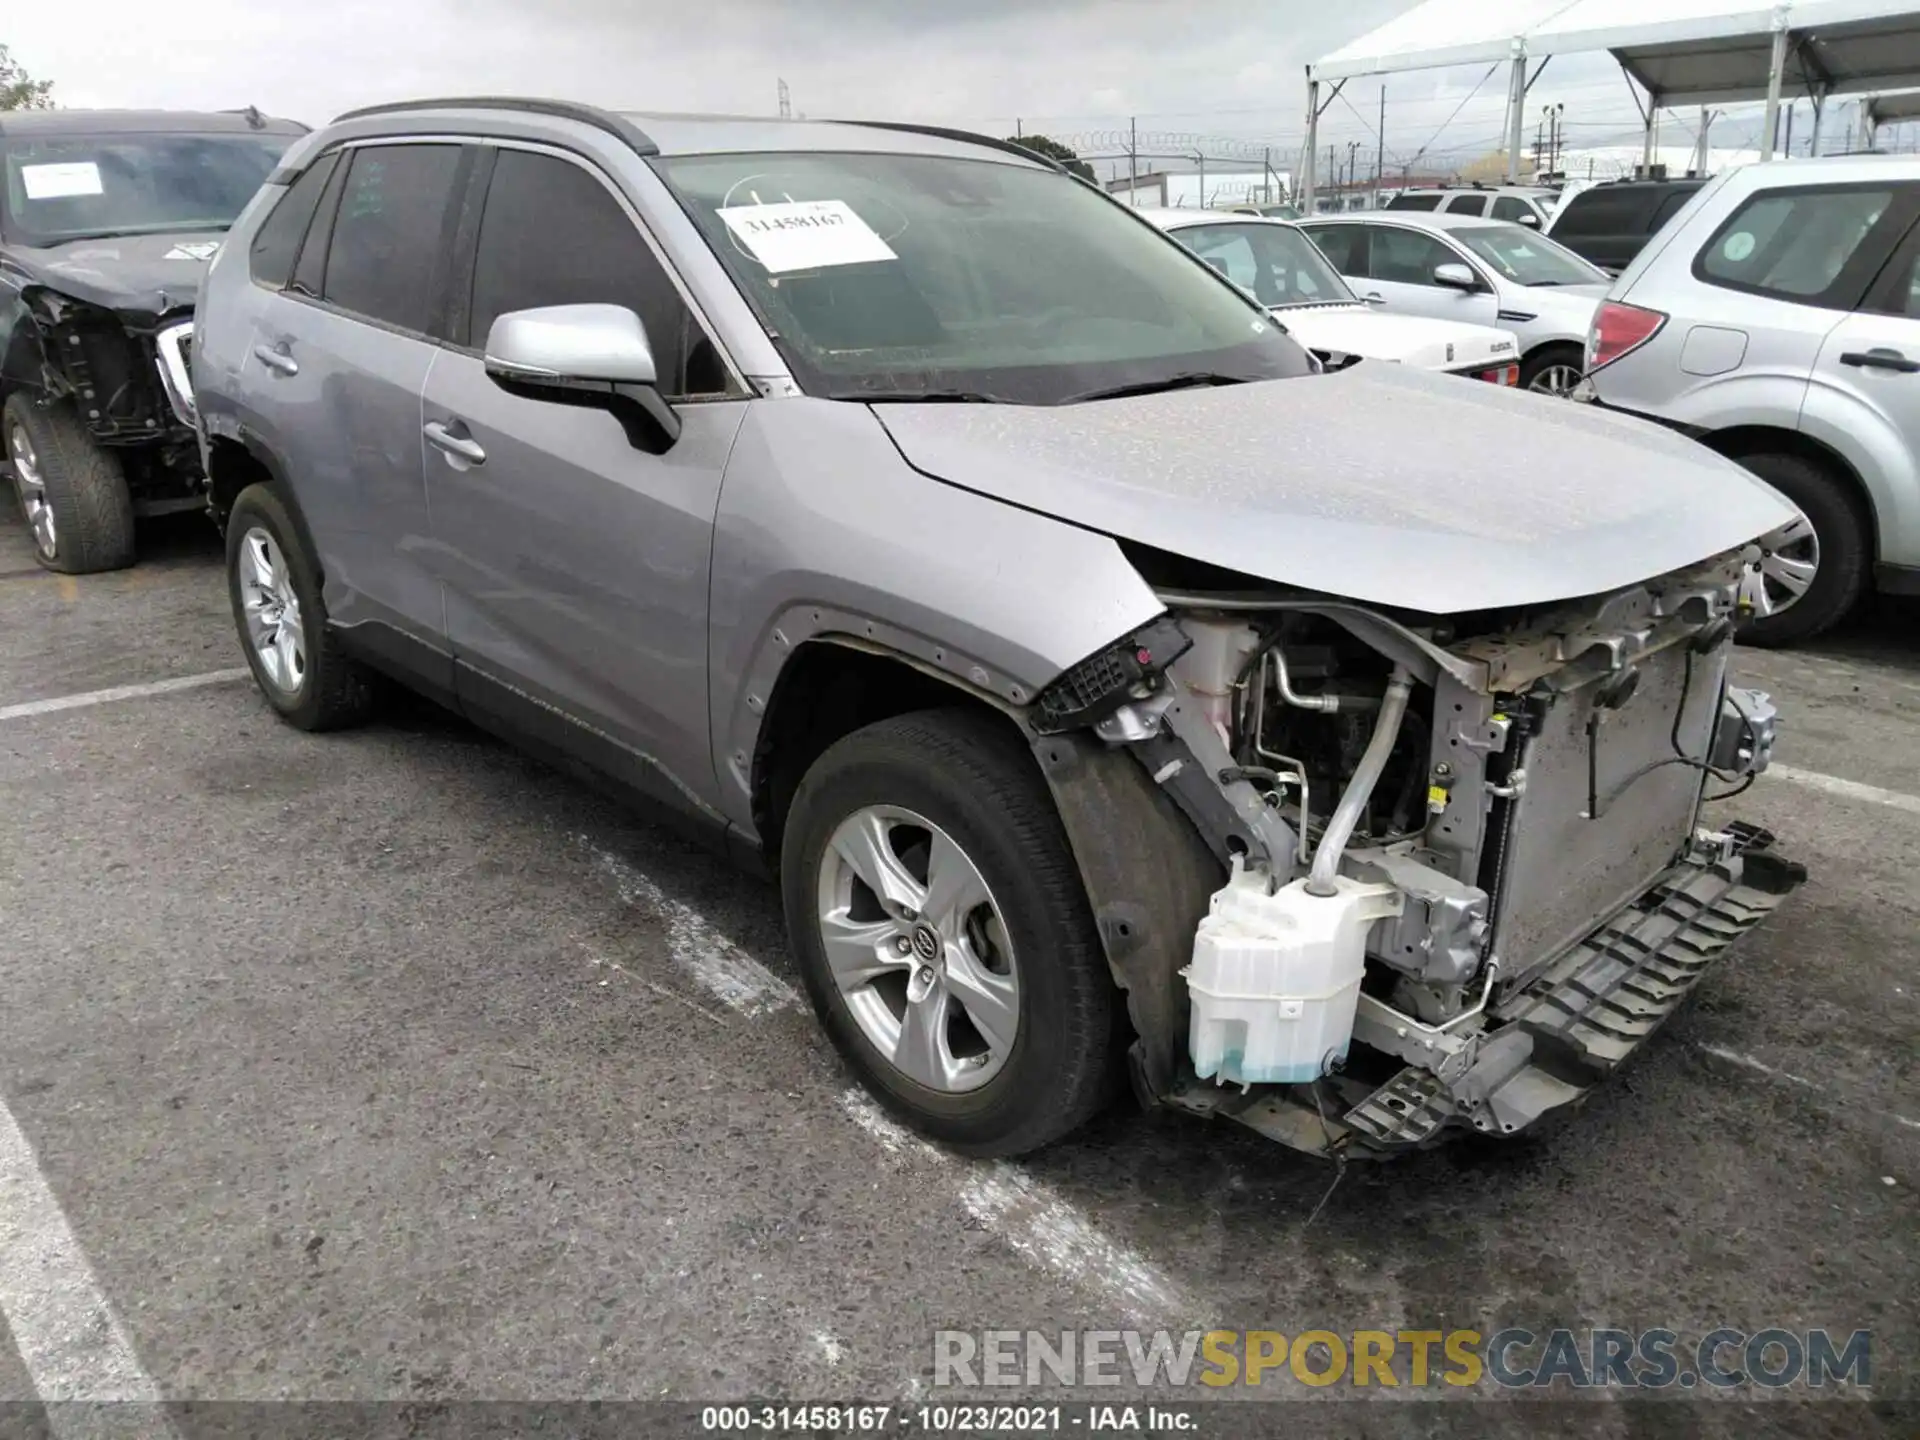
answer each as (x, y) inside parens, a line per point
(1148, 876)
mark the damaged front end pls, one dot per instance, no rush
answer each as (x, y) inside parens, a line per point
(1467, 869)
(127, 374)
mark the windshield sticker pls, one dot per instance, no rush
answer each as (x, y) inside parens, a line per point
(1739, 246)
(804, 235)
(56, 182)
(192, 250)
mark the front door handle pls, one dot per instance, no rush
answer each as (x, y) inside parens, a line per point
(442, 437)
(276, 360)
(1880, 358)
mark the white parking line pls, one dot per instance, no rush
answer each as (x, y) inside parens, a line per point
(1760, 1067)
(121, 692)
(66, 1333)
(721, 967)
(1849, 789)
(1044, 1228)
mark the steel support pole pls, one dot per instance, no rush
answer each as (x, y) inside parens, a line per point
(1313, 145)
(1776, 71)
(1516, 111)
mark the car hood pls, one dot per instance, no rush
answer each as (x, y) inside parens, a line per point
(1411, 339)
(136, 276)
(1381, 483)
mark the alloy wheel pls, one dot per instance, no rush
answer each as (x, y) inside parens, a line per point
(918, 949)
(272, 611)
(1789, 560)
(31, 487)
(1555, 380)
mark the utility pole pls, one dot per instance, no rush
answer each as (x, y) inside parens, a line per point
(1380, 146)
(786, 102)
(1133, 153)
(1333, 173)
(1016, 127)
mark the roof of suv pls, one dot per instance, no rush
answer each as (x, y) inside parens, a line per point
(651, 133)
(1419, 219)
(52, 123)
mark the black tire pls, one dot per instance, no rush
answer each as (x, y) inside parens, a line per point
(973, 778)
(85, 488)
(335, 690)
(1845, 537)
(1546, 357)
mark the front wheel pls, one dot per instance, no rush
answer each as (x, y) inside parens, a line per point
(944, 936)
(72, 492)
(1553, 370)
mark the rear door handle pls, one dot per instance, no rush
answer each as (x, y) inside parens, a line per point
(277, 360)
(1880, 358)
(442, 437)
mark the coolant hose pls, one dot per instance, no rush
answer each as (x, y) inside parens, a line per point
(1346, 815)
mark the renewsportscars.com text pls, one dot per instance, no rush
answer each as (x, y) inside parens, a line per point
(1510, 1359)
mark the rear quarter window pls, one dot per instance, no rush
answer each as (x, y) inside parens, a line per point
(1816, 246)
(1414, 202)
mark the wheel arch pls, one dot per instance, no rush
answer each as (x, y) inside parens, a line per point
(237, 459)
(1738, 441)
(831, 685)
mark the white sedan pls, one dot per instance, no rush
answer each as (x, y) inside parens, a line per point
(1486, 271)
(1275, 262)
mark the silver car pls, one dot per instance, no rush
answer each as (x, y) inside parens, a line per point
(1115, 694)
(1777, 319)
(1489, 272)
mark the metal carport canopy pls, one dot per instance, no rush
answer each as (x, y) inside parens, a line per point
(1683, 52)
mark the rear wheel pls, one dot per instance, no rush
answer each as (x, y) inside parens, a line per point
(274, 585)
(1553, 370)
(72, 491)
(1813, 569)
(944, 936)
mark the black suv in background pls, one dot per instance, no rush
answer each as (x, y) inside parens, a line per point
(107, 221)
(1609, 223)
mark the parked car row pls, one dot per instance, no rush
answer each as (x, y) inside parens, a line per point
(1119, 692)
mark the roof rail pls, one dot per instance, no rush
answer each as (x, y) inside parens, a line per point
(618, 126)
(971, 137)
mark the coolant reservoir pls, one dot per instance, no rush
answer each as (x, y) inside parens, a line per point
(1275, 978)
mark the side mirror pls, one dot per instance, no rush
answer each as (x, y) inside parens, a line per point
(1455, 276)
(595, 356)
(1530, 220)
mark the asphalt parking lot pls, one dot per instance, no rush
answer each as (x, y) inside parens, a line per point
(392, 1066)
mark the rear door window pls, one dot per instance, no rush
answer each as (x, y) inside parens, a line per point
(1414, 202)
(1344, 245)
(391, 233)
(1511, 207)
(277, 242)
(1817, 245)
(1467, 205)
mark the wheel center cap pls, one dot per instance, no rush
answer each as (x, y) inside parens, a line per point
(926, 944)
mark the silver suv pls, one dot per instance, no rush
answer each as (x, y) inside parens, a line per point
(1777, 319)
(1113, 693)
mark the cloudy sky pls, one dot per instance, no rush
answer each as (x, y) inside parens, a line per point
(1074, 68)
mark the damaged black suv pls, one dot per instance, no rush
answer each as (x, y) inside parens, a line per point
(107, 220)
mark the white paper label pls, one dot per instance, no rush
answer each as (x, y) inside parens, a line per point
(193, 250)
(804, 235)
(53, 182)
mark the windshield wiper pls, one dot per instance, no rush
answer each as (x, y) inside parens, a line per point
(1184, 381)
(916, 397)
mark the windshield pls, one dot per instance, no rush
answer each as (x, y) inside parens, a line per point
(1527, 258)
(903, 276)
(1276, 262)
(69, 187)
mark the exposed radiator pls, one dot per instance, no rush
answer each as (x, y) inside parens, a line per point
(1563, 874)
